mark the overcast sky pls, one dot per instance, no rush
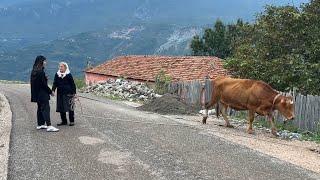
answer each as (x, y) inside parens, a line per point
(295, 2)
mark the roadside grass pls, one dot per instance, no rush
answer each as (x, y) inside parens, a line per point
(80, 83)
(12, 82)
(312, 136)
(309, 136)
(289, 126)
(117, 98)
(1, 105)
(111, 97)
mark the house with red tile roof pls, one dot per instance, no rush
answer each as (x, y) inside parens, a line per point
(146, 68)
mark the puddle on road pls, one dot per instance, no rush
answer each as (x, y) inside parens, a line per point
(87, 140)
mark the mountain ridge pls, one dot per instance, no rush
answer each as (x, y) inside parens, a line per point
(96, 30)
(98, 46)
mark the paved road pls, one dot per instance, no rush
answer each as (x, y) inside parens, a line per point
(114, 141)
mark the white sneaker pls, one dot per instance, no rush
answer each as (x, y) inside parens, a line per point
(52, 129)
(42, 127)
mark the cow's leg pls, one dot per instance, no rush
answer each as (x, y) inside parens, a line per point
(273, 125)
(214, 100)
(250, 121)
(225, 117)
(205, 116)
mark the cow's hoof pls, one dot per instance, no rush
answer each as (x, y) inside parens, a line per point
(250, 131)
(274, 133)
(204, 120)
(229, 126)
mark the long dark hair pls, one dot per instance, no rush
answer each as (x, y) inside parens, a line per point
(38, 63)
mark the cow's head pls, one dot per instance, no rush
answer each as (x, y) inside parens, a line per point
(285, 106)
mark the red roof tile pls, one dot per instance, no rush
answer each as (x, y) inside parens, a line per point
(180, 68)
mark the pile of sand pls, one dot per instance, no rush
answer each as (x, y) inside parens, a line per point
(168, 104)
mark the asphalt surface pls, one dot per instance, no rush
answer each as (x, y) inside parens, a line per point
(115, 141)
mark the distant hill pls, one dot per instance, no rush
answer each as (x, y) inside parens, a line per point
(34, 21)
(98, 46)
(96, 30)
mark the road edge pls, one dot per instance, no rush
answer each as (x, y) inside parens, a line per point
(5, 133)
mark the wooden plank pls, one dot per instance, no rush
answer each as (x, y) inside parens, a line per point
(303, 119)
(309, 125)
(299, 105)
(296, 122)
(311, 122)
(314, 122)
(318, 110)
(311, 116)
(297, 113)
(317, 114)
(303, 114)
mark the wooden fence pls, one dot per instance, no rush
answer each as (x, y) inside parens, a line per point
(307, 108)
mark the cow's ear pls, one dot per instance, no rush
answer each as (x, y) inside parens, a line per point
(282, 101)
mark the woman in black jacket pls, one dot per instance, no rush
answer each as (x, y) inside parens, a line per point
(66, 90)
(40, 94)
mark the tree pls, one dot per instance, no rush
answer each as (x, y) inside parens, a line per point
(214, 42)
(197, 46)
(282, 47)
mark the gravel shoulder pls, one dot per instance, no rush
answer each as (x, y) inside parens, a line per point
(5, 130)
(293, 151)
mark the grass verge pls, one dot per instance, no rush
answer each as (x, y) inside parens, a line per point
(12, 82)
(289, 126)
(80, 83)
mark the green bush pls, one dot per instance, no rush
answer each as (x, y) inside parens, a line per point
(162, 82)
(80, 83)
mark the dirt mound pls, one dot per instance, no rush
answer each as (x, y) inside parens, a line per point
(168, 104)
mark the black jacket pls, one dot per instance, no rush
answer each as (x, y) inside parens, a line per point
(64, 85)
(40, 92)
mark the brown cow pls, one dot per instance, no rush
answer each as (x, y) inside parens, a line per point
(254, 96)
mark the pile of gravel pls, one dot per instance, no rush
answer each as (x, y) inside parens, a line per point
(123, 89)
(167, 104)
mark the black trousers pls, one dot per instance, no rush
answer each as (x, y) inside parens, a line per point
(43, 113)
(63, 116)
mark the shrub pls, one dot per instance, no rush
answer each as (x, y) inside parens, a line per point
(80, 83)
(162, 82)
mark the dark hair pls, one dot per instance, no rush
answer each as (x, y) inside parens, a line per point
(38, 63)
